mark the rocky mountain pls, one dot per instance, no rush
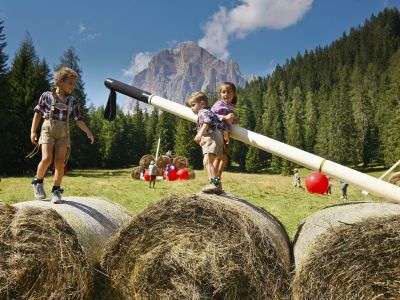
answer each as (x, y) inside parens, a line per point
(176, 73)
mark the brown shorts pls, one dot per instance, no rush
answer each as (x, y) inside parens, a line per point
(213, 143)
(55, 132)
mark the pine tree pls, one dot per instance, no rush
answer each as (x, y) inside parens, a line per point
(29, 78)
(166, 129)
(151, 130)
(5, 114)
(310, 122)
(186, 146)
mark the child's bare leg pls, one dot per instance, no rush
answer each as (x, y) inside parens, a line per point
(59, 165)
(208, 162)
(226, 137)
(222, 161)
(47, 157)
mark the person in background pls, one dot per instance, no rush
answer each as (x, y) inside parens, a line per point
(343, 187)
(296, 179)
(152, 173)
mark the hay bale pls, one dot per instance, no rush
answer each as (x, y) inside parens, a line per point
(181, 162)
(349, 252)
(162, 162)
(395, 179)
(145, 160)
(135, 173)
(95, 220)
(200, 247)
(40, 256)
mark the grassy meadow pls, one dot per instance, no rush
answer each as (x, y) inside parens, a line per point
(274, 193)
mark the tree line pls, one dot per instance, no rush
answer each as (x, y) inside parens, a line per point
(340, 101)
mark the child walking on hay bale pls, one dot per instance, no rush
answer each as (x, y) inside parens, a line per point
(55, 106)
(209, 137)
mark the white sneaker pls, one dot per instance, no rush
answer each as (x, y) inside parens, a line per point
(38, 191)
(55, 196)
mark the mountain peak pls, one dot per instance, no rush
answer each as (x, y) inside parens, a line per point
(175, 73)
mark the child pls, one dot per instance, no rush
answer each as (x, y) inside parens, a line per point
(297, 179)
(343, 187)
(152, 173)
(329, 190)
(209, 137)
(56, 106)
(224, 108)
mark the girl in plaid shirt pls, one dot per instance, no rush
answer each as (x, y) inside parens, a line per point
(56, 107)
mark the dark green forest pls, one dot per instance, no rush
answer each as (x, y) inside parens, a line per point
(340, 102)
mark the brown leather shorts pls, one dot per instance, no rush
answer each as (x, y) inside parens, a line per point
(55, 132)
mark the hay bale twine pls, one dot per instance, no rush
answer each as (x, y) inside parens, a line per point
(192, 174)
(349, 252)
(200, 247)
(162, 162)
(395, 178)
(181, 162)
(40, 256)
(95, 220)
(135, 173)
(145, 160)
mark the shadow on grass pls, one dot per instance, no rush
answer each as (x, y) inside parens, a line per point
(98, 173)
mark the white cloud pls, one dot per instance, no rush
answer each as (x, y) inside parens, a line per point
(82, 27)
(91, 36)
(247, 17)
(139, 62)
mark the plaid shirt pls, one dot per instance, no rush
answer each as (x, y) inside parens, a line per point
(206, 116)
(44, 107)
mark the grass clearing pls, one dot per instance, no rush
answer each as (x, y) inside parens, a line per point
(274, 193)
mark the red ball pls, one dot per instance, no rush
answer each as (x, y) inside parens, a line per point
(172, 175)
(146, 175)
(183, 174)
(317, 183)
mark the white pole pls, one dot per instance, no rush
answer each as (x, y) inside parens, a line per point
(158, 146)
(387, 172)
(298, 156)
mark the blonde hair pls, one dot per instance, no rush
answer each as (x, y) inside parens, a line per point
(197, 97)
(64, 73)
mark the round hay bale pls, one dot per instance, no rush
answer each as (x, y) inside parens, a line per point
(145, 160)
(135, 173)
(40, 256)
(192, 174)
(395, 179)
(180, 162)
(95, 220)
(349, 252)
(162, 162)
(200, 247)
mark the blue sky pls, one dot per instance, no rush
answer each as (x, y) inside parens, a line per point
(115, 38)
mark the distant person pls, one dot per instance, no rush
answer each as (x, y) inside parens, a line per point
(209, 137)
(329, 190)
(152, 173)
(224, 109)
(343, 187)
(296, 179)
(56, 107)
(167, 171)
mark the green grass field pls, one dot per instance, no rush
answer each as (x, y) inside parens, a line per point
(274, 193)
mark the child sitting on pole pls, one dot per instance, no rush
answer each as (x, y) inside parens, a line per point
(209, 137)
